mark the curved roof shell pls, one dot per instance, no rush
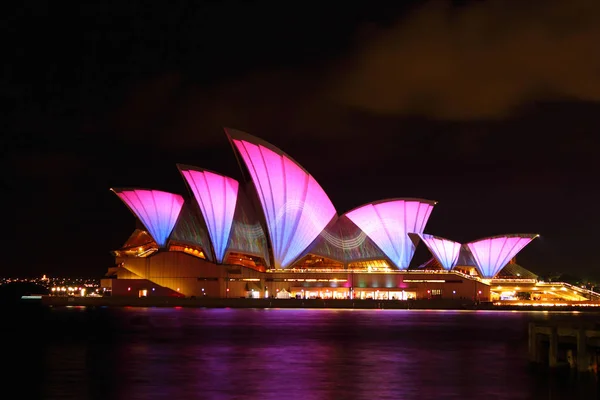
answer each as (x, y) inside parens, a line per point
(444, 250)
(157, 210)
(491, 254)
(216, 196)
(388, 223)
(295, 206)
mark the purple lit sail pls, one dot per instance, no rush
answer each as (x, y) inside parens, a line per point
(157, 210)
(389, 222)
(492, 254)
(217, 197)
(296, 208)
(444, 250)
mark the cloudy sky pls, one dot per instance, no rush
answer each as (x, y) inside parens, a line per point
(489, 107)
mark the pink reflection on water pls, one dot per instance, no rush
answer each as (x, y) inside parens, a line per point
(324, 354)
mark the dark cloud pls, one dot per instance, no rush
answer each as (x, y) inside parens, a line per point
(478, 61)
(275, 102)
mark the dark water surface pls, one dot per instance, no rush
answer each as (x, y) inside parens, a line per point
(175, 353)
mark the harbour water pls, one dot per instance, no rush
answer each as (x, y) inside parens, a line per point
(190, 353)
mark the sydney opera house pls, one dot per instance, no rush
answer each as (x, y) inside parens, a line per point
(276, 234)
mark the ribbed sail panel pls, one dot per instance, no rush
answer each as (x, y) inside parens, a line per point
(388, 224)
(465, 258)
(190, 229)
(445, 251)
(296, 208)
(492, 254)
(216, 196)
(247, 235)
(346, 243)
(329, 243)
(157, 210)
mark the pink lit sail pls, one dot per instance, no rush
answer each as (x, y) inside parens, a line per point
(296, 208)
(492, 254)
(444, 250)
(217, 197)
(157, 210)
(389, 222)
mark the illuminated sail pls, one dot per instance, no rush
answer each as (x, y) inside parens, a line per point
(216, 196)
(389, 222)
(492, 254)
(296, 208)
(157, 210)
(445, 251)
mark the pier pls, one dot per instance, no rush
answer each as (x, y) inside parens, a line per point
(570, 344)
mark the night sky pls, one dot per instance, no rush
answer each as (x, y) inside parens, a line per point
(491, 108)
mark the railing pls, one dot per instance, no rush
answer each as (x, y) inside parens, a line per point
(362, 271)
(581, 290)
(506, 280)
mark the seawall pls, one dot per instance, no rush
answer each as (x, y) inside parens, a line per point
(442, 304)
(424, 304)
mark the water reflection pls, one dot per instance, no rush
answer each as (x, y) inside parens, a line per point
(296, 354)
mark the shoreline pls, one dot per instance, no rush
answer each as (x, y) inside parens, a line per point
(425, 304)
